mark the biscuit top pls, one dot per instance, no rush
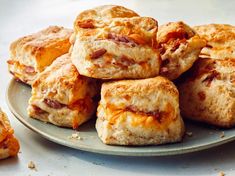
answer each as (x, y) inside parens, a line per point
(38, 49)
(220, 40)
(174, 30)
(62, 82)
(41, 39)
(97, 16)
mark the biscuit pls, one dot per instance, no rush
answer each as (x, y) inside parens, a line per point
(139, 112)
(220, 40)
(207, 92)
(61, 96)
(31, 54)
(9, 145)
(116, 47)
(179, 48)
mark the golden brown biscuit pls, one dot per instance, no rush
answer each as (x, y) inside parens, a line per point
(115, 47)
(207, 92)
(62, 96)
(9, 145)
(31, 54)
(97, 17)
(220, 40)
(179, 48)
(139, 112)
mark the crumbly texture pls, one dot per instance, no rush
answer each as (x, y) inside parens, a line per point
(220, 40)
(60, 95)
(31, 54)
(9, 145)
(139, 112)
(179, 48)
(207, 92)
(115, 46)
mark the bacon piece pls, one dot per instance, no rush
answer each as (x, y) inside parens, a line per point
(98, 53)
(38, 110)
(86, 24)
(29, 69)
(53, 104)
(155, 114)
(211, 77)
(121, 38)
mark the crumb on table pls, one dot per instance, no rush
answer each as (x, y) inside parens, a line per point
(221, 173)
(31, 165)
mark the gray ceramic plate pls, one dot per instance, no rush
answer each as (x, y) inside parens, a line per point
(203, 136)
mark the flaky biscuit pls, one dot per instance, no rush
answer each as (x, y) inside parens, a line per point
(207, 92)
(116, 48)
(139, 112)
(60, 95)
(31, 54)
(179, 47)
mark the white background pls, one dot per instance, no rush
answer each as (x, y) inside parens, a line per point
(21, 17)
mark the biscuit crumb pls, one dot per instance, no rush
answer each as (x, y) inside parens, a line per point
(32, 166)
(189, 133)
(221, 173)
(75, 136)
(222, 135)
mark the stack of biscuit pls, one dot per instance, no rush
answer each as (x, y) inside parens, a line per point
(135, 62)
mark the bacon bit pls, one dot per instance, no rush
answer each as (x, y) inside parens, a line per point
(176, 43)
(127, 97)
(137, 38)
(201, 95)
(38, 110)
(162, 49)
(123, 39)
(126, 61)
(211, 77)
(86, 24)
(154, 114)
(98, 53)
(53, 104)
(10, 62)
(29, 69)
(177, 35)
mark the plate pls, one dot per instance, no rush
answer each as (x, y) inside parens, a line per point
(203, 137)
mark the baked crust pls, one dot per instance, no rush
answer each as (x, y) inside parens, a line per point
(179, 47)
(9, 145)
(207, 92)
(60, 95)
(220, 40)
(115, 46)
(139, 112)
(31, 54)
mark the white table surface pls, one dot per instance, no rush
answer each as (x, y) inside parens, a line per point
(20, 17)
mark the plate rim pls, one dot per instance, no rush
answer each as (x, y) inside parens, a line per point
(169, 152)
